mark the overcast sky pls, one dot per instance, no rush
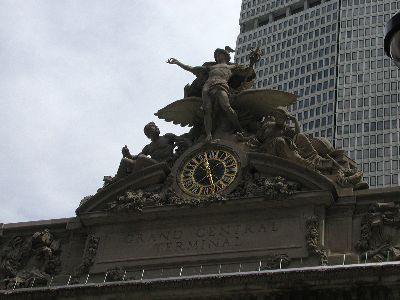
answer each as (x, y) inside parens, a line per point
(80, 79)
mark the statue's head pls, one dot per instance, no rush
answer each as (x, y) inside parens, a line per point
(221, 54)
(151, 130)
(280, 114)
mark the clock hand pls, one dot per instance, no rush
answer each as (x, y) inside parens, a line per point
(203, 178)
(210, 177)
(201, 167)
(208, 170)
(212, 185)
(218, 163)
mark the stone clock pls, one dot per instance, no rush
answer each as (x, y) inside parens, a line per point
(208, 171)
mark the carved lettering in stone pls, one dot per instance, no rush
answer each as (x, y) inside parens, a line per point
(131, 244)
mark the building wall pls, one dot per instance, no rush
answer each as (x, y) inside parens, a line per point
(330, 53)
(368, 91)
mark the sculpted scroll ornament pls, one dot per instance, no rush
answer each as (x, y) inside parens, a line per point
(25, 259)
(380, 233)
(253, 185)
(272, 188)
(203, 201)
(135, 200)
(139, 199)
(277, 188)
(88, 259)
(312, 240)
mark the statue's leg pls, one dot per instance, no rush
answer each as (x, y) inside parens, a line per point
(142, 161)
(186, 90)
(283, 150)
(207, 107)
(223, 101)
(125, 167)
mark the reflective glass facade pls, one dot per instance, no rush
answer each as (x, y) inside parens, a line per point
(330, 53)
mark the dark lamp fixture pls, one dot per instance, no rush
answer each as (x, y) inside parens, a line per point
(392, 39)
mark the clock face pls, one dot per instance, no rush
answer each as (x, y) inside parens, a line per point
(208, 172)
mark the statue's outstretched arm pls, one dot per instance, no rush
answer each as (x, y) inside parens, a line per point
(254, 56)
(243, 70)
(174, 61)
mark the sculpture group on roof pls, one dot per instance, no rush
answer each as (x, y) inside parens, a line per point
(220, 105)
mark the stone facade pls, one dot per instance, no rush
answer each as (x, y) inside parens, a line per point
(243, 206)
(220, 248)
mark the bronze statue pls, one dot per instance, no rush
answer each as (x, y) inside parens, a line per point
(304, 146)
(160, 149)
(126, 165)
(216, 90)
(219, 104)
(275, 137)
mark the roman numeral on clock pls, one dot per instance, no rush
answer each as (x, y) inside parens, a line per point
(208, 172)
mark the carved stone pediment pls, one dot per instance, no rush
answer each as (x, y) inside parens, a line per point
(262, 212)
(308, 179)
(151, 176)
(261, 176)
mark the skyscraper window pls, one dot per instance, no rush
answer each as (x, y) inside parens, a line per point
(331, 55)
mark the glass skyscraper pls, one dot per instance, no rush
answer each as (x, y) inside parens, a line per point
(330, 53)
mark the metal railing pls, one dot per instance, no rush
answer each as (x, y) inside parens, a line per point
(140, 274)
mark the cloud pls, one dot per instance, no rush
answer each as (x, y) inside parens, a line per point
(80, 79)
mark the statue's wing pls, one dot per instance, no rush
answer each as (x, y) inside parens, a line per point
(186, 111)
(261, 102)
